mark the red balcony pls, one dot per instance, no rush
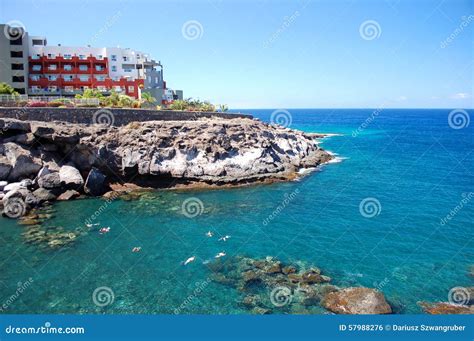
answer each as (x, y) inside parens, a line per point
(47, 70)
(83, 72)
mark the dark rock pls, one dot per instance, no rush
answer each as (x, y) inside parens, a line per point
(5, 168)
(50, 181)
(43, 194)
(95, 183)
(356, 300)
(23, 163)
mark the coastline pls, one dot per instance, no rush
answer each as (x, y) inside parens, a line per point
(42, 161)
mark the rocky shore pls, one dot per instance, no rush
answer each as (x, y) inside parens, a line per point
(47, 161)
(270, 286)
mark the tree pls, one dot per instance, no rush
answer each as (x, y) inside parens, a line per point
(223, 107)
(7, 89)
(147, 97)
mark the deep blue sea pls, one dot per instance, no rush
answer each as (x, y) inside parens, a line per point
(410, 166)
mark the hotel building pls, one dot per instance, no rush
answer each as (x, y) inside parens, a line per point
(33, 67)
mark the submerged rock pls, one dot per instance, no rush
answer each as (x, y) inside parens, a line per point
(442, 308)
(356, 300)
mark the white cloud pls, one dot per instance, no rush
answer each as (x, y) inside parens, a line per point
(461, 95)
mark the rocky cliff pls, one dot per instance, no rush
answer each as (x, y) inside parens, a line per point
(45, 160)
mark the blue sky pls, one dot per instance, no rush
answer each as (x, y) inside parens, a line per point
(283, 54)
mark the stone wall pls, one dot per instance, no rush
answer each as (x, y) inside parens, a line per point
(110, 116)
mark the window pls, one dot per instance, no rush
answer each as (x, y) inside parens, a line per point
(35, 77)
(69, 88)
(52, 88)
(52, 77)
(127, 70)
(17, 66)
(100, 56)
(99, 68)
(35, 89)
(68, 78)
(67, 67)
(36, 68)
(102, 88)
(84, 78)
(51, 55)
(18, 79)
(85, 87)
(37, 42)
(18, 41)
(52, 67)
(131, 88)
(82, 56)
(83, 67)
(35, 56)
(114, 57)
(114, 68)
(100, 78)
(125, 58)
(16, 54)
(21, 91)
(67, 56)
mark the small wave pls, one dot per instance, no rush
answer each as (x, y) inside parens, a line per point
(337, 159)
(304, 171)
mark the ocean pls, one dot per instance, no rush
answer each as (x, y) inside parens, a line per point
(395, 212)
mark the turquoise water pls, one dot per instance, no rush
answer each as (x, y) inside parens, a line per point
(411, 161)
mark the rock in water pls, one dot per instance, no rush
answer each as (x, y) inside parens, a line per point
(42, 194)
(356, 300)
(68, 195)
(442, 308)
(95, 183)
(70, 177)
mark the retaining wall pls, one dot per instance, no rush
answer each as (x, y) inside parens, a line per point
(114, 116)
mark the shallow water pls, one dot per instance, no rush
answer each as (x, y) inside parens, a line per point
(411, 161)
